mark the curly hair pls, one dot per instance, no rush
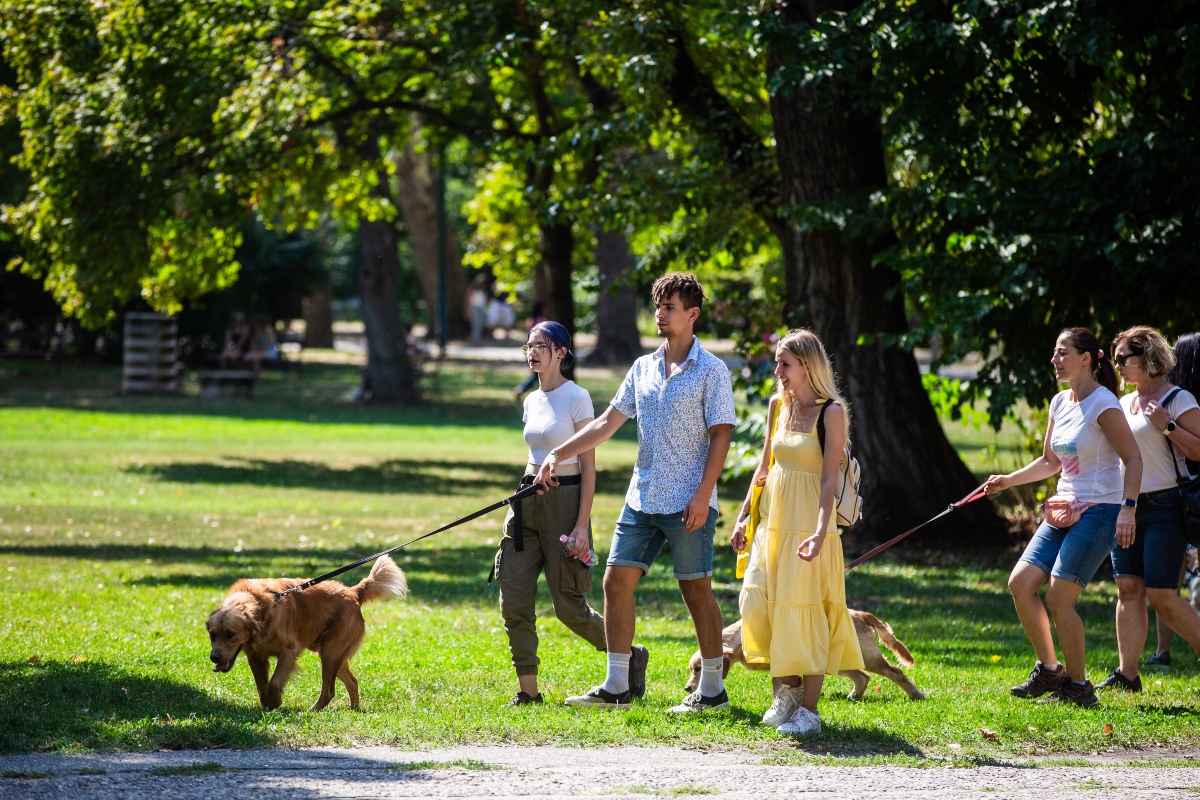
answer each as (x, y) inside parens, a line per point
(1144, 341)
(683, 284)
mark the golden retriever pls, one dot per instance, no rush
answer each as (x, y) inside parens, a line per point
(865, 625)
(326, 618)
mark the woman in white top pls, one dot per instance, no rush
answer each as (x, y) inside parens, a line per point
(1165, 420)
(1087, 439)
(532, 530)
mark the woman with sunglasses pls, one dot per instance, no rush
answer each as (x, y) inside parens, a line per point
(533, 529)
(1165, 420)
(1087, 439)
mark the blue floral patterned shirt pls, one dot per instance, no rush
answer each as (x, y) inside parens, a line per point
(673, 417)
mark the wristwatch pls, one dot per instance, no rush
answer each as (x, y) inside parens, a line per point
(1129, 502)
(1170, 428)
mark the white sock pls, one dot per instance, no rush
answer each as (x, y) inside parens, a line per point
(710, 676)
(617, 679)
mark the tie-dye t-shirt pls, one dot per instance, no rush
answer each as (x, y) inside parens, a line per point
(1091, 469)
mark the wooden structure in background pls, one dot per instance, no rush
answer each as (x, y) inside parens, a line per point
(151, 354)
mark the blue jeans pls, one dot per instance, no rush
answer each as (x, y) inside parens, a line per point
(1075, 553)
(639, 536)
(1158, 550)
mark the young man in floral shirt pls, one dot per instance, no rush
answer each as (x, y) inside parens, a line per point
(682, 398)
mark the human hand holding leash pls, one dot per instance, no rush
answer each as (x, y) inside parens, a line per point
(997, 483)
(547, 475)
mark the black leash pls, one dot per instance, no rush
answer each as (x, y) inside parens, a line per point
(978, 494)
(516, 497)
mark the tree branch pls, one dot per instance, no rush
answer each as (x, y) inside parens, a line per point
(751, 164)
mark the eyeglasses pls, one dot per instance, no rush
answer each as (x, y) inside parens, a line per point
(1121, 359)
(536, 349)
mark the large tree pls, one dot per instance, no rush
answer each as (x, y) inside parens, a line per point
(786, 155)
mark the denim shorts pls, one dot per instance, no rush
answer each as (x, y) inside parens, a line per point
(639, 536)
(1075, 553)
(1158, 550)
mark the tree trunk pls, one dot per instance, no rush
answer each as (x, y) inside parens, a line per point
(617, 339)
(318, 317)
(388, 377)
(910, 470)
(418, 202)
(557, 244)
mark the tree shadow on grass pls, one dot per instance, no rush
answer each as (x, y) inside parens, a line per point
(490, 480)
(55, 705)
(395, 476)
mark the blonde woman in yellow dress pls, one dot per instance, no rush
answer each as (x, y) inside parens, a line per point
(793, 599)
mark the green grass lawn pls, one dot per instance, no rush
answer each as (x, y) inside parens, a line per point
(124, 520)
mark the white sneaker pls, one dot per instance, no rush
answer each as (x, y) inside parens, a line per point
(802, 723)
(787, 700)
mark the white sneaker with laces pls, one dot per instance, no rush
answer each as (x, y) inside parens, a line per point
(802, 723)
(787, 700)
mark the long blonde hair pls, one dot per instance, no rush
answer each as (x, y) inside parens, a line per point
(808, 350)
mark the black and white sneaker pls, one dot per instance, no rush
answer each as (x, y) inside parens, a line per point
(696, 703)
(597, 697)
(639, 657)
(523, 699)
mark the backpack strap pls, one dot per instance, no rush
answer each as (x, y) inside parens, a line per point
(821, 423)
(771, 417)
(1174, 463)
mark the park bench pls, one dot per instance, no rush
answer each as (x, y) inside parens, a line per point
(41, 344)
(227, 383)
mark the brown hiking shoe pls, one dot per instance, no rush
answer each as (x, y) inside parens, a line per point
(1041, 681)
(1081, 694)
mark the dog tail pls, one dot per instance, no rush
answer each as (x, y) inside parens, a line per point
(884, 632)
(386, 580)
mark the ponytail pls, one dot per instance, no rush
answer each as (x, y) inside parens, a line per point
(1084, 341)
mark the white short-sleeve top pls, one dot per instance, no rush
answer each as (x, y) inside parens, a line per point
(1157, 472)
(550, 419)
(1091, 468)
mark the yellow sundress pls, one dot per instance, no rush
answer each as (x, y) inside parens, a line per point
(794, 613)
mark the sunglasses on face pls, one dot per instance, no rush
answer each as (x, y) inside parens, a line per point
(1121, 359)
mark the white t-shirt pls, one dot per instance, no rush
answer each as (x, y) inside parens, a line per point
(1091, 469)
(550, 419)
(1157, 473)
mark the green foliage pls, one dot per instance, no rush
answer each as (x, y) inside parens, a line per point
(1043, 165)
(952, 399)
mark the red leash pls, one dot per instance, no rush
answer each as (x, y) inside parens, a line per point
(977, 494)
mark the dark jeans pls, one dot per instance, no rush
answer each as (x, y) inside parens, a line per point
(1160, 545)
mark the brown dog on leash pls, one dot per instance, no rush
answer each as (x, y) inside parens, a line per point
(865, 625)
(326, 618)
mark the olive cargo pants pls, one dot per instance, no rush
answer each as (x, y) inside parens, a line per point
(545, 517)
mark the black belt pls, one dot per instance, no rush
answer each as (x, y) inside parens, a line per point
(527, 480)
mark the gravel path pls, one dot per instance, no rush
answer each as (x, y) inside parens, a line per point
(537, 772)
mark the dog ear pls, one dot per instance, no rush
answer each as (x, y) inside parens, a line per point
(726, 663)
(248, 607)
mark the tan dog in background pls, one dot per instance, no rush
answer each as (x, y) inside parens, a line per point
(326, 618)
(865, 625)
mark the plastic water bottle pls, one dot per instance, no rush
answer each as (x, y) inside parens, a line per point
(588, 558)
